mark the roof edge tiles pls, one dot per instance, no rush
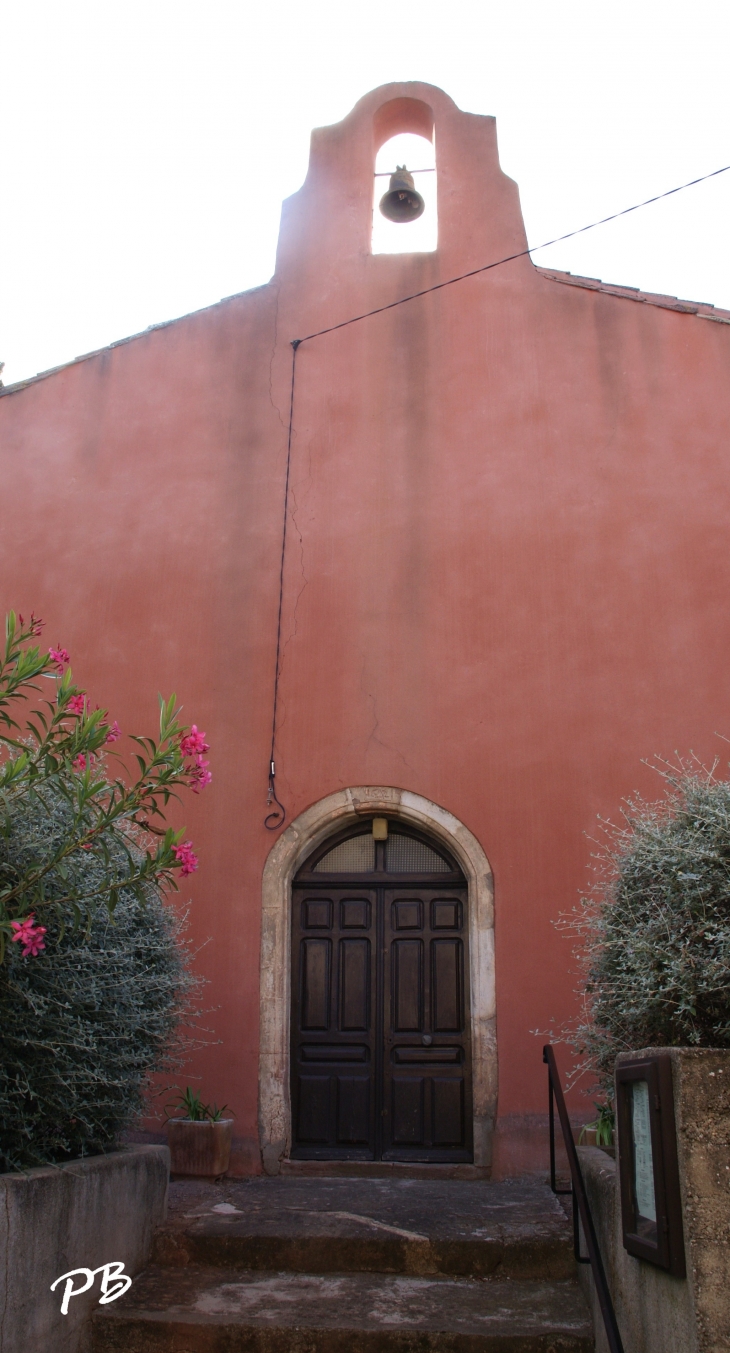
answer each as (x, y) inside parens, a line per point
(700, 309)
(120, 342)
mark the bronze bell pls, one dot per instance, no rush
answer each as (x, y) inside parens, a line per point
(402, 202)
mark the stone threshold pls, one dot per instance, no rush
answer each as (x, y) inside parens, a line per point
(379, 1169)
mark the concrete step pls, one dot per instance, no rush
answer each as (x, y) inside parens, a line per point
(477, 1229)
(204, 1310)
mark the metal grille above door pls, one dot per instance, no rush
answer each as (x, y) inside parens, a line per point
(353, 856)
(381, 1053)
(403, 855)
(406, 855)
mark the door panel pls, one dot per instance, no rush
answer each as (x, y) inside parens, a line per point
(408, 914)
(333, 1048)
(427, 1111)
(354, 985)
(407, 1099)
(380, 1051)
(317, 914)
(316, 983)
(313, 1108)
(320, 1052)
(447, 985)
(354, 913)
(447, 1101)
(407, 994)
(353, 1109)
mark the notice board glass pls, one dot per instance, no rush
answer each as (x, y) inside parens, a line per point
(651, 1205)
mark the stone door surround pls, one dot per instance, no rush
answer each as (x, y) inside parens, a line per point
(302, 835)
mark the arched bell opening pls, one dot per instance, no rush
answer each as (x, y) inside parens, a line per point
(405, 217)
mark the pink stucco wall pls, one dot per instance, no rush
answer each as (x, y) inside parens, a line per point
(507, 574)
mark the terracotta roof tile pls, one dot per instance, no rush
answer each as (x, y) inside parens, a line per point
(699, 308)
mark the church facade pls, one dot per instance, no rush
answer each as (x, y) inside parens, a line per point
(434, 582)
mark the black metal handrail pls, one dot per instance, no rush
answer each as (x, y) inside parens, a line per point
(581, 1207)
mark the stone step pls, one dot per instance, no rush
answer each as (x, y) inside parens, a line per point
(478, 1229)
(379, 1169)
(204, 1310)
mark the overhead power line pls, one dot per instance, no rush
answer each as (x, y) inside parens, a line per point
(523, 253)
(277, 813)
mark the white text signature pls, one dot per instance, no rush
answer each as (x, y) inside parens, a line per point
(114, 1282)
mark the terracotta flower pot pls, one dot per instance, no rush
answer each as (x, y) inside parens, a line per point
(199, 1148)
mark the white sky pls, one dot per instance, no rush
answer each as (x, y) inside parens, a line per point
(147, 144)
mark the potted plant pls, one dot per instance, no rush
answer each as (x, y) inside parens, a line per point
(600, 1131)
(200, 1141)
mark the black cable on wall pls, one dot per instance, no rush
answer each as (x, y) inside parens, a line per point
(277, 816)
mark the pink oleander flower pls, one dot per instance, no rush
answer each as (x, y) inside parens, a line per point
(186, 856)
(30, 935)
(114, 733)
(59, 656)
(36, 943)
(36, 624)
(199, 776)
(76, 704)
(23, 928)
(79, 762)
(193, 743)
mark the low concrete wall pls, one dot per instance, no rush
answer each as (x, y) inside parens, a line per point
(654, 1311)
(79, 1215)
(657, 1313)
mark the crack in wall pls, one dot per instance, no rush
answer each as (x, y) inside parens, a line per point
(274, 405)
(373, 735)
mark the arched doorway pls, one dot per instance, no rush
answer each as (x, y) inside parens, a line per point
(380, 1026)
(296, 844)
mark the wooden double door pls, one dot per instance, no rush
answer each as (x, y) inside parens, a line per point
(380, 1047)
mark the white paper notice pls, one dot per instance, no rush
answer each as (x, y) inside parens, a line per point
(643, 1159)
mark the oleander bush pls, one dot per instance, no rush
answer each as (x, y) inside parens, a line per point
(95, 979)
(654, 931)
(86, 1023)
